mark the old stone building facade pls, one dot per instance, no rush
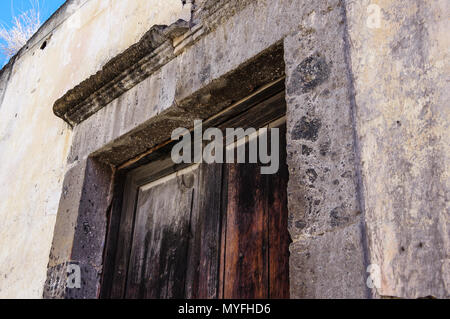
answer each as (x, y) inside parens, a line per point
(365, 85)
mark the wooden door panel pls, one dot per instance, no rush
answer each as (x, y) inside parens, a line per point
(246, 234)
(204, 249)
(161, 238)
(123, 244)
(256, 258)
(279, 238)
(175, 252)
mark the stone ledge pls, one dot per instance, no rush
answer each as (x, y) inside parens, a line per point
(120, 74)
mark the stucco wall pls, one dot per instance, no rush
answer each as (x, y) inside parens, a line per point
(81, 37)
(401, 67)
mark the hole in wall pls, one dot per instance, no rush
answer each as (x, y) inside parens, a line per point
(44, 45)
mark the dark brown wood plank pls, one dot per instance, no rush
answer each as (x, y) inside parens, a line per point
(223, 232)
(246, 253)
(243, 108)
(259, 115)
(256, 241)
(279, 238)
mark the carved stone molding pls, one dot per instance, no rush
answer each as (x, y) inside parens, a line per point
(120, 74)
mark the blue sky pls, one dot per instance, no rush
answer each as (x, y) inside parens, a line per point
(9, 8)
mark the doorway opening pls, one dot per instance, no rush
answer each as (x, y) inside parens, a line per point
(203, 230)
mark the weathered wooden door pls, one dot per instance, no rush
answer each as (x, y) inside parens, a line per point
(176, 239)
(205, 231)
(256, 240)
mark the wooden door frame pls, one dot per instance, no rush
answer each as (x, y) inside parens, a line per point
(270, 103)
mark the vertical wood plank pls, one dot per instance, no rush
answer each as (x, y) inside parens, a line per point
(204, 249)
(161, 237)
(279, 238)
(124, 240)
(223, 232)
(256, 241)
(112, 243)
(246, 253)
